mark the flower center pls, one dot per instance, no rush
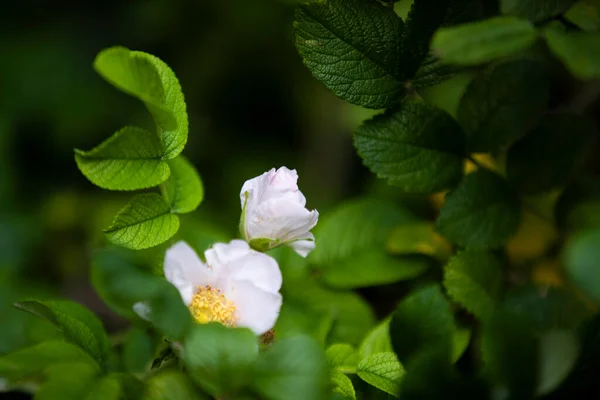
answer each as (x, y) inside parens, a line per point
(210, 305)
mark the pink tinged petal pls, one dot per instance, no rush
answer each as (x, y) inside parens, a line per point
(259, 269)
(255, 308)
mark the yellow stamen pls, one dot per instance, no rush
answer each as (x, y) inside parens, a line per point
(210, 305)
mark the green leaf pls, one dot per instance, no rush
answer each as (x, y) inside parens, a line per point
(138, 351)
(372, 267)
(433, 71)
(422, 320)
(221, 359)
(292, 369)
(473, 279)
(152, 81)
(559, 350)
(342, 385)
(69, 382)
(585, 14)
(580, 257)
(377, 340)
(497, 108)
(363, 69)
(545, 308)
(418, 148)
(533, 9)
(579, 51)
(551, 155)
(460, 342)
(146, 221)
(510, 353)
(30, 360)
(184, 187)
(342, 357)
(351, 251)
(382, 370)
(424, 18)
(106, 388)
(79, 325)
(480, 42)
(130, 159)
(418, 238)
(170, 385)
(354, 226)
(121, 284)
(482, 212)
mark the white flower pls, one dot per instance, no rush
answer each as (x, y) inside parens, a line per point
(274, 212)
(237, 286)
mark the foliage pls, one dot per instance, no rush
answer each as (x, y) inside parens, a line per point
(432, 248)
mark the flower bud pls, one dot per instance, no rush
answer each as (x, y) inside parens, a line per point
(274, 212)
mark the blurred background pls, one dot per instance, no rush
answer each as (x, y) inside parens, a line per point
(252, 106)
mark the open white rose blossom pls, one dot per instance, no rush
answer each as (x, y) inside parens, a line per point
(237, 286)
(274, 212)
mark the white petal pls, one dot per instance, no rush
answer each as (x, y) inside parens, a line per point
(184, 269)
(142, 309)
(224, 253)
(282, 220)
(304, 245)
(255, 309)
(257, 268)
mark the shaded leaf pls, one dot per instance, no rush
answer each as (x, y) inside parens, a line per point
(559, 350)
(482, 212)
(363, 69)
(545, 308)
(170, 385)
(422, 320)
(497, 108)
(377, 340)
(424, 18)
(418, 238)
(585, 14)
(579, 51)
(221, 359)
(78, 324)
(342, 385)
(551, 155)
(418, 148)
(480, 42)
(30, 360)
(580, 257)
(342, 357)
(474, 279)
(138, 351)
(510, 353)
(292, 369)
(533, 9)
